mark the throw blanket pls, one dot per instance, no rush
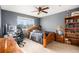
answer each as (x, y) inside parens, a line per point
(37, 36)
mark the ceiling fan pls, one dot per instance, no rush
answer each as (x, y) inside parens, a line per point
(41, 9)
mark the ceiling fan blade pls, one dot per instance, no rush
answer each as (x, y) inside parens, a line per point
(36, 7)
(35, 11)
(45, 11)
(45, 8)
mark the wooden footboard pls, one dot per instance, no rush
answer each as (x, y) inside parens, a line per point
(48, 39)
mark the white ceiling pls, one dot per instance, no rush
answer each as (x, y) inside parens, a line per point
(28, 9)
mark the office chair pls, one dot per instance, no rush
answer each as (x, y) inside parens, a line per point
(20, 37)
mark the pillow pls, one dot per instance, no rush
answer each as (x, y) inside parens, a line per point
(60, 33)
(36, 31)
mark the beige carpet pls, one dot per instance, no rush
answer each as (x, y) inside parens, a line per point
(54, 47)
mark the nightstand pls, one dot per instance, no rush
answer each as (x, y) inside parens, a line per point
(60, 38)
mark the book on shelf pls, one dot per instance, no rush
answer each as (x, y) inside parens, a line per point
(77, 20)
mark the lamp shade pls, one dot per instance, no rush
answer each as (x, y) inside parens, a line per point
(60, 30)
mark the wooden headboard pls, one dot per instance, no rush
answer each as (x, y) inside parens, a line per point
(38, 27)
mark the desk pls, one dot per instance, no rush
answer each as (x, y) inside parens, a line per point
(9, 45)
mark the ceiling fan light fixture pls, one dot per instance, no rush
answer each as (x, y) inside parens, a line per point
(41, 9)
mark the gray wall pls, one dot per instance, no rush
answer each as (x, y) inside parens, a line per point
(0, 22)
(9, 17)
(50, 23)
(37, 21)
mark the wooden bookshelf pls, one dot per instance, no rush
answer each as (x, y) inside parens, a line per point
(72, 29)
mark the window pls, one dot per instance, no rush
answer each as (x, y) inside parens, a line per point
(24, 23)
